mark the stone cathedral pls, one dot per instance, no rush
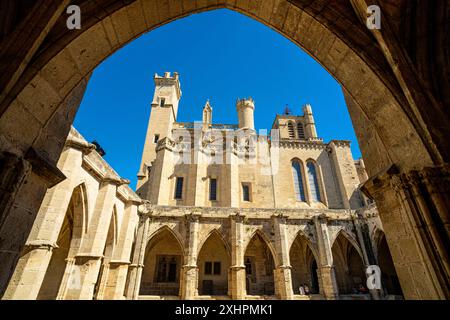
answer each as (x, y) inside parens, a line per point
(220, 211)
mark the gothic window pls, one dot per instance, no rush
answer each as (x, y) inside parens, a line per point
(179, 188)
(313, 182)
(156, 138)
(300, 131)
(298, 181)
(212, 189)
(162, 102)
(291, 130)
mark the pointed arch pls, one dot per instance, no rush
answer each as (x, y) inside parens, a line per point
(262, 234)
(213, 261)
(298, 176)
(351, 239)
(175, 234)
(260, 262)
(348, 263)
(291, 129)
(215, 231)
(389, 278)
(314, 181)
(309, 242)
(303, 258)
(164, 255)
(68, 243)
(300, 130)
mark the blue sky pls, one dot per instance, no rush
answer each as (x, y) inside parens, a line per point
(220, 55)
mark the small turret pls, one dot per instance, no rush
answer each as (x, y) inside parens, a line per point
(245, 109)
(207, 115)
(310, 126)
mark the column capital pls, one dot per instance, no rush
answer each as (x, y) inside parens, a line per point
(280, 215)
(238, 216)
(193, 216)
(41, 244)
(116, 180)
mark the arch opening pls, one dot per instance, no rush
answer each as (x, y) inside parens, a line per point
(303, 267)
(259, 267)
(389, 278)
(162, 265)
(68, 244)
(349, 267)
(213, 266)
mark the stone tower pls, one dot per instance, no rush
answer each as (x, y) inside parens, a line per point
(245, 109)
(163, 114)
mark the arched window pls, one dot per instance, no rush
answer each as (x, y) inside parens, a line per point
(298, 181)
(291, 130)
(313, 183)
(300, 131)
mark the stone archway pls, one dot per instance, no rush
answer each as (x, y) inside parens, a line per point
(348, 265)
(393, 112)
(390, 281)
(303, 265)
(68, 243)
(213, 266)
(162, 265)
(259, 267)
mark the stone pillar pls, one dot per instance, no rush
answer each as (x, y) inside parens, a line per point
(162, 170)
(118, 266)
(283, 277)
(236, 279)
(88, 260)
(21, 176)
(327, 277)
(189, 278)
(414, 209)
(345, 172)
(137, 263)
(30, 271)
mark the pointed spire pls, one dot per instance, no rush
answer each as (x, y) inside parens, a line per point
(207, 105)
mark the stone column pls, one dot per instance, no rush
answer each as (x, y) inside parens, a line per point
(32, 266)
(118, 266)
(283, 277)
(137, 263)
(327, 277)
(88, 260)
(30, 271)
(21, 176)
(161, 172)
(236, 279)
(414, 209)
(189, 278)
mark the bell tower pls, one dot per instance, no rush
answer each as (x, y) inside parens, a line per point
(164, 109)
